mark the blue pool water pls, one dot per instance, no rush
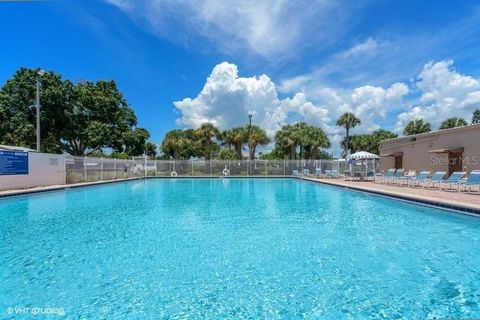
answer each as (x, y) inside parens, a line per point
(236, 248)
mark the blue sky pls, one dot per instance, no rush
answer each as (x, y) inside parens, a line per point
(387, 61)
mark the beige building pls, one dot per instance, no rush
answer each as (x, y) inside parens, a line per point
(444, 150)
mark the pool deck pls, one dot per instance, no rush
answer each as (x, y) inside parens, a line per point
(448, 199)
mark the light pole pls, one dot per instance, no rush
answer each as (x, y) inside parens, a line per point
(39, 72)
(249, 135)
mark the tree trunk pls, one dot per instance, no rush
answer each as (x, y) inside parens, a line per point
(238, 149)
(347, 142)
(293, 151)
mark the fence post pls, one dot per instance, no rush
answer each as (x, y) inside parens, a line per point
(284, 167)
(266, 167)
(101, 168)
(114, 169)
(84, 169)
(210, 167)
(191, 161)
(155, 164)
(145, 172)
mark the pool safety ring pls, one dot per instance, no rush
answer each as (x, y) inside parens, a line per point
(173, 174)
(226, 172)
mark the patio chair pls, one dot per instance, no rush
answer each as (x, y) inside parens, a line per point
(436, 178)
(381, 178)
(454, 180)
(295, 172)
(306, 172)
(328, 173)
(422, 176)
(406, 177)
(370, 175)
(398, 174)
(334, 174)
(347, 175)
(473, 180)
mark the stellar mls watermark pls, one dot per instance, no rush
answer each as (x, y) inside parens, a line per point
(44, 311)
(436, 160)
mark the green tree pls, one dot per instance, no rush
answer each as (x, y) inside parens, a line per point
(453, 123)
(348, 121)
(226, 154)
(18, 112)
(174, 143)
(286, 138)
(79, 119)
(417, 126)
(257, 136)
(368, 142)
(311, 140)
(151, 149)
(476, 117)
(308, 139)
(205, 133)
(236, 137)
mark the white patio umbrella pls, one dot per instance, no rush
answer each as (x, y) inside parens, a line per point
(363, 155)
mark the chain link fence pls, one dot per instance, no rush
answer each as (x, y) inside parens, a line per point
(87, 169)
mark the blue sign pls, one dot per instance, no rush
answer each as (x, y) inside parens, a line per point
(13, 162)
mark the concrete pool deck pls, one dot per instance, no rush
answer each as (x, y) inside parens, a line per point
(434, 196)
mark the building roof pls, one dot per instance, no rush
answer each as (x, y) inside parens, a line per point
(433, 133)
(15, 148)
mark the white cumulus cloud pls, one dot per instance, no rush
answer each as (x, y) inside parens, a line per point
(226, 100)
(444, 93)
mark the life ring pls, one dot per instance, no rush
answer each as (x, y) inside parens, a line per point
(173, 174)
(226, 172)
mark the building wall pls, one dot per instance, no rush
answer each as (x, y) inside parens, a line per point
(417, 157)
(44, 170)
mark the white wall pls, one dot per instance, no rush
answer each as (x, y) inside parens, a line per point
(44, 169)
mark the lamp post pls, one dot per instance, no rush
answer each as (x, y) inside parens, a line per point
(39, 72)
(249, 135)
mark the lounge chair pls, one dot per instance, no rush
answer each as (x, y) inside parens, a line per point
(381, 178)
(347, 175)
(437, 178)
(454, 180)
(398, 174)
(406, 177)
(334, 174)
(422, 176)
(473, 180)
(370, 175)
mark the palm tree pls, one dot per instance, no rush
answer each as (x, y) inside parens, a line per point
(258, 136)
(453, 123)
(416, 126)
(348, 120)
(312, 139)
(286, 138)
(236, 137)
(205, 133)
(174, 142)
(476, 117)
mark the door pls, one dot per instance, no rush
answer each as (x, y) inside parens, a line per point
(398, 162)
(455, 162)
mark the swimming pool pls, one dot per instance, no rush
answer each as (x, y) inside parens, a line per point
(235, 248)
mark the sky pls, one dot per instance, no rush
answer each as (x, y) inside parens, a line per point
(182, 62)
